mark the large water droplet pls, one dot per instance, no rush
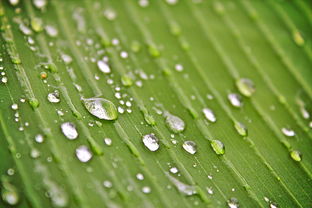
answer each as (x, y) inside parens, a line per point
(190, 147)
(182, 187)
(296, 155)
(245, 86)
(241, 128)
(233, 203)
(210, 116)
(83, 154)
(218, 147)
(288, 132)
(151, 142)
(235, 100)
(174, 123)
(101, 108)
(69, 130)
(54, 97)
(103, 67)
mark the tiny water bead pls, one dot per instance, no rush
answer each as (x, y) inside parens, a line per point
(218, 147)
(209, 114)
(241, 128)
(190, 147)
(69, 130)
(83, 154)
(235, 100)
(103, 67)
(233, 203)
(288, 132)
(246, 87)
(174, 123)
(101, 108)
(296, 155)
(151, 142)
(54, 97)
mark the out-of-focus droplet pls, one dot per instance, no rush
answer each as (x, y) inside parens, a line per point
(296, 155)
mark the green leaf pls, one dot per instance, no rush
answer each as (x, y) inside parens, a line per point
(155, 103)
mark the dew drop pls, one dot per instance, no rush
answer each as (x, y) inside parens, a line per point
(288, 132)
(183, 188)
(36, 24)
(40, 4)
(54, 97)
(174, 170)
(273, 205)
(107, 184)
(83, 153)
(298, 38)
(140, 176)
(14, 2)
(9, 193)
(51, 31)
(126, 81)
(209, 114)
(69, 130)
(146, 190)
(39, 138)
(66, 58)
(179, 67)
(34, 153)
(174, 123)
(101, 108)
(245, 86)
(241, 128)
(235, 100)
(14, 106)
(108, 141)
(218, 147)
(190, 147)
(103, 67)
(296, 155)
(233, 203)
(151, 142)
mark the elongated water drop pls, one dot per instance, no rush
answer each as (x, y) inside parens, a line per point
(245, 86)
(183, 188)
(190, 147)
(9, 193)
(69, 130)
(101, 108)
(296, 155)
(103, 67)
(151, 142)
(288, 132)
(54, 97)
(235, 100)
(174, 123)
(233, 203)
(83, 153)
(209, 114)
(218, 147)
(241, 128)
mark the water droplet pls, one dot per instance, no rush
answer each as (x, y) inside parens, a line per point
(174, 123)
(69, 130)
(108, 141)
(126, 81)
(83, 153)
(34, 102)
(103, 67)
(240, 128)
(54, 97)
(298, 38)
(210, 191)
(36, 24)
(245, 86)
(40, 4)
(135, 46)
(35, 153)
(9, 193)
(296, 155)
(14, 106)
(110, 14)
(151, 142)
(174, 170)
(233, 203)
(273, 205)
(153, 51)
(182, 187)
(305, 114)
(235, 100)
(101, 108)
(190, 147)
(51, 30)
(4, 80)
(172, 2)
(143, 3)
(179, 67)
(140, 176)
(14, 2)
(107, 184)
(39, 138)
(66, 58)
(210, 116)
(123, 54)
(146, 190)
(288, 132)
(218, 147)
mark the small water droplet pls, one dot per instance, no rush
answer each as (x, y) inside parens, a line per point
(34, 153)
(39, 138)
(210, 191)
(34, 102)
(14, 106)
(146, 190)
(123, 54)
(110, 14)
(83, 153)
(218, 147)
(183, 188)
(14, 2)
(246, 87)
(233, 203)
(298, 38)
(101, 108)
(69, 130)
(103, 67)
(140, 176)
(66, 58)
(296, 155)
(273, 205)
(126, 81)
(36, 24)
(9, 193)
(108, 141)
(179, 67)
(51, 30)
(209, 114)
(235, 100)
(174, 123)
(151, 142)
(54, 97)
(288, 132)
(190, 147)
(107, 184)
(174, 170)
(172, 2)
(40, 4)
(241, 128)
